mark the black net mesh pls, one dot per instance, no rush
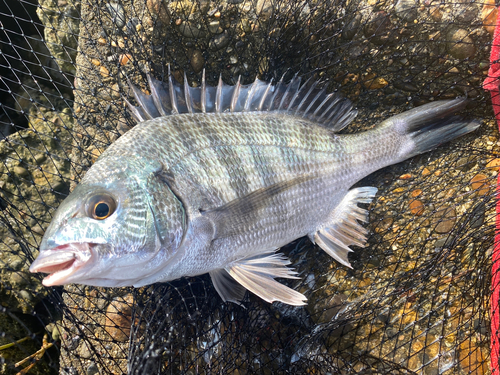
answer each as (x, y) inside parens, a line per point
(418, 297)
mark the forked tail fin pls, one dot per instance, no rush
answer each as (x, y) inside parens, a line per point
(430, 125)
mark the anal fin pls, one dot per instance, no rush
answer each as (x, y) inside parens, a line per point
(227, 287)
(343, 228)
(257, 274)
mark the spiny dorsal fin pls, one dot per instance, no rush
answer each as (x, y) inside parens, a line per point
(308, 100)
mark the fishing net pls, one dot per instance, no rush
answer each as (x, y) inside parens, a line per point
(420, 298)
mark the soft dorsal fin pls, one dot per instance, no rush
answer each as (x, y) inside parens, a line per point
(309, 100)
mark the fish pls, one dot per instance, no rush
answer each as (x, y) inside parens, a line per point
(216, 179)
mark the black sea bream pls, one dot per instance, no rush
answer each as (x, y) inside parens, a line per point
(217, 179)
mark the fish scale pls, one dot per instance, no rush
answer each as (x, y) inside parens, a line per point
(221, 188)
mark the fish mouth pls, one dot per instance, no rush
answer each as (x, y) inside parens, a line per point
(62, 262)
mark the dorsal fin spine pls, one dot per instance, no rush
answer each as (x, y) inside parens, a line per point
(187, 95)
(288, 88)
(173, 96)
(251, 93)
(306, 96)
(297, 93)
(236, 94)
(203, 93)
(328, 97)
(218, 96)
(321, 92)
(262, 101)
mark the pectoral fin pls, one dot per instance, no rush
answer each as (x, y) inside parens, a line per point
(343, 230)
(238, 215)
(257, 275)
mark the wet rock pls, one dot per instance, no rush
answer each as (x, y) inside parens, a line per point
(379, 28)
(445, 218)
(92, 369)
(465, 163)
(493, 164)
(480, 184)
(443, 242)
(220, 41)
(159, 9)
(119, 318)
(372, 82)
(417, 208)
(84, 351)
(61, 32)
(352, 27)
(405, 86)
(20, 171)
(406, 9)
(461, 45)
(489, 16)
(197, 60)
(190, 30)
(117, 13)
(214, 27)
(477, 216)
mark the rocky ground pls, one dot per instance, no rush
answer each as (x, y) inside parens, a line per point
(386, 56)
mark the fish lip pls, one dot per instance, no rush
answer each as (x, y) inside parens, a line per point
(62, 262)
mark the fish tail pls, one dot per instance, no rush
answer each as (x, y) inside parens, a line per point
(426, 127)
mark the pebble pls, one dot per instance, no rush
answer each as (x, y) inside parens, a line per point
(189, 30)
(104, 71)
(26, 295)
(124, 59)
(133, 26)
(480, 184)
(384, 225)
(214, 27)
(220, 41)
(426, 172)
(494, 164)
(350, 30)
(462, 46)
(19, 278)
(197, 60)
(405, 176)
(415, 193)
(372, 82)
(405, 86)
(37, 229)
(117, 13)
(378, 28)
(56, 333)
(102, 41)
(84, 350)
(477, 217)
(443, 242)
(406, 9)
(92, 369)
(59, 186)
(489, 16)
(20, 171)
(465, 163)
(417, 207)
(40, 158)
(119, 318)
(436, 13)
(445, 218)
(159, 9)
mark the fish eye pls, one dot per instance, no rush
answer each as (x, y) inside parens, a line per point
(101, 206)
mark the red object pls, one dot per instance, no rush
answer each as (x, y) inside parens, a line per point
(492, 83)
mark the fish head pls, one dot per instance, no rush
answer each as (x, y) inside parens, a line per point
(104, 233)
